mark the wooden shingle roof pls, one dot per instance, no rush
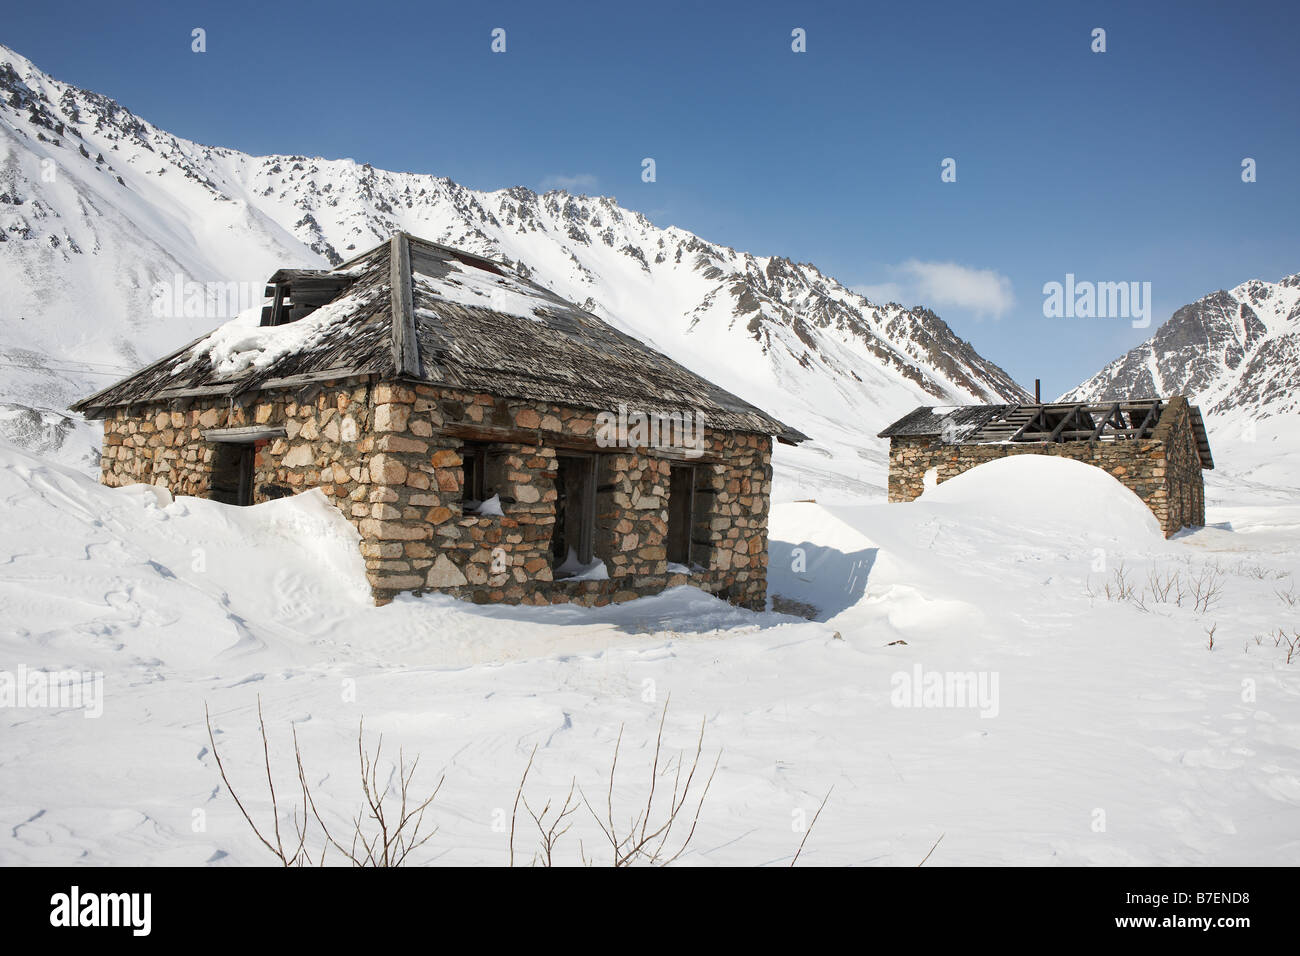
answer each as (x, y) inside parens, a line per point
(418, 311)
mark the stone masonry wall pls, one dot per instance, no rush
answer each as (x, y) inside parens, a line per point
(488, 558)
(1164, 470)
(327, 438)
(387, 455)
(1184, 502)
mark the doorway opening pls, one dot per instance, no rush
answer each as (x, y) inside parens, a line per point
(232, 473)
(681, 513)
(575, 514)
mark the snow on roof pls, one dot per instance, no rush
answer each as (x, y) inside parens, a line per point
(954, 422)
(242, 345)
(470, 285)
(418, 310)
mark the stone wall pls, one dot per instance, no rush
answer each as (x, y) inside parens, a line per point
(1163, 470)
(327, 442)
(388, 455)
(1183, 504)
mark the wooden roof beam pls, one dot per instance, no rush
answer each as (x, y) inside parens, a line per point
(1108, 420)
(406, 348)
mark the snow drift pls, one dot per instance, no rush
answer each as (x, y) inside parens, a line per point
(1065, 496)
(186, 604)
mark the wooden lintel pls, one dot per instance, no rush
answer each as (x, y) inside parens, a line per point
(685, 455)
(311, 378)
(490, 433)
(245, 433)
(469, 431)
(195, 391)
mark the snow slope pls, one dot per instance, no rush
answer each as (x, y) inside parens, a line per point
(1116, 736)
(97, 206)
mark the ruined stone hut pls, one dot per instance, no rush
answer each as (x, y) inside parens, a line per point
(1156, 447)
(486, 438)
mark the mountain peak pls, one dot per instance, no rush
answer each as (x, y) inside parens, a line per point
(132, 208)
(1235, 352)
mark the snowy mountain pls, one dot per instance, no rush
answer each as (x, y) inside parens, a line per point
(1238, 352)
(97, 207)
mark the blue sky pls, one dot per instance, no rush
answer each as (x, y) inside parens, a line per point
(1115, 166)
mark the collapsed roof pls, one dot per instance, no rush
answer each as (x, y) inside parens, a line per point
(1051, 422)
(415, 310)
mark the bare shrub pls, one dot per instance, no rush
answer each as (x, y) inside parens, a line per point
(1201, 589)
(1117, 587)
(932, 849)
(1289, 642)
(659, 828)
(389, 827)
(1165, 588)
(807, 832)
(642, 841)
(1206, 588)
(1260, 573)
(549, 833)
(381, 834)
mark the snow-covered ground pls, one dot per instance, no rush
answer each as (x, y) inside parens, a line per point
(1102, 732)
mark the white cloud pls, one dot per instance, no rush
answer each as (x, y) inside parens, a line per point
(983, 291)
(579, 182)
(942, 285)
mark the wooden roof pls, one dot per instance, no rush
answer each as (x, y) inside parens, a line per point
(415, 310)
(1046, 422)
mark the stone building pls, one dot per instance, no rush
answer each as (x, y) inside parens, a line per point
(486, 438)
(1156, 447)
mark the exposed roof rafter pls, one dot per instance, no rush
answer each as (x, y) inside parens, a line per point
(1057, 422)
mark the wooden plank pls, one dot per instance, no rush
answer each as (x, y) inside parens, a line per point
(1086, 434)
(337, 373)
(468, 431)
(277, 307)
(406, 349)
(684, 455)
(515, 436)
(244, 433)
(195, 391)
